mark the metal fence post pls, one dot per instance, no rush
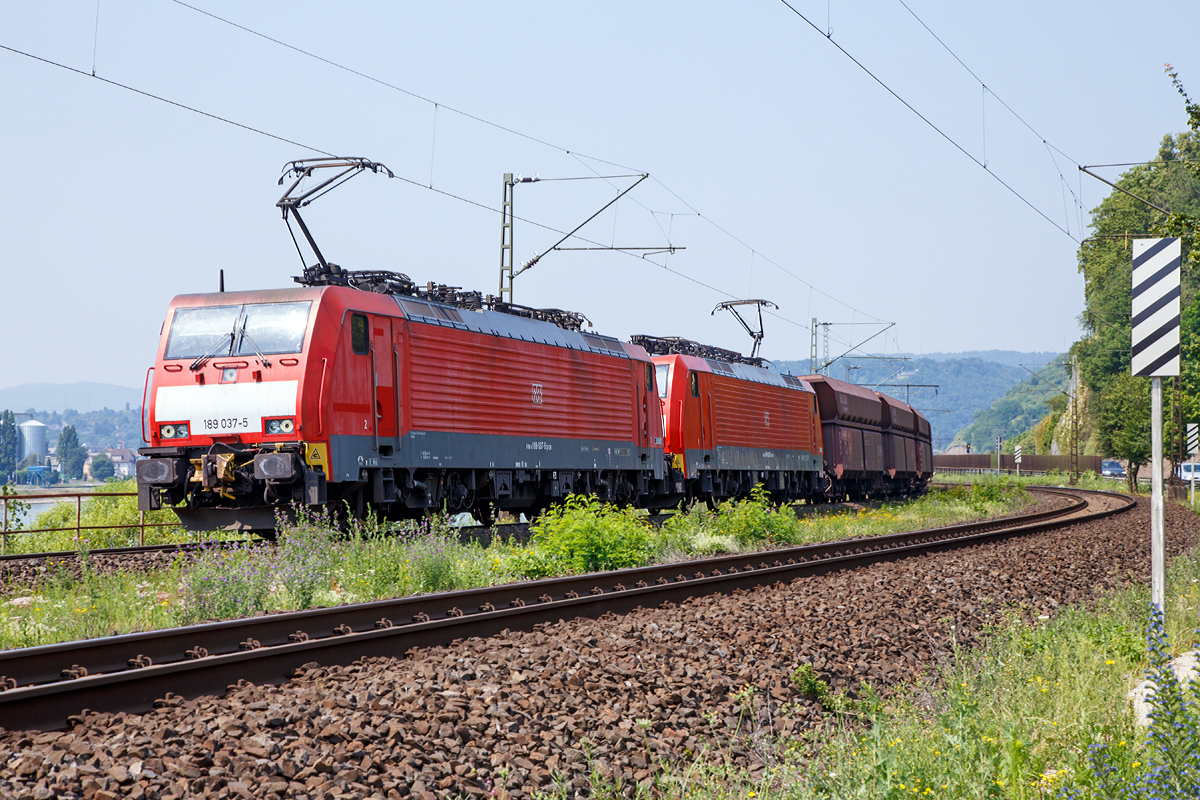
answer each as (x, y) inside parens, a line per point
(78, 514)
(4, 544)
(142, 522)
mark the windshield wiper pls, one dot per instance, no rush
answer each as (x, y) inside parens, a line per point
(248, 338)
(212, 351)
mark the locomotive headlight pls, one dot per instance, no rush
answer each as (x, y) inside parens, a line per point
(276, 427)
(179, 431)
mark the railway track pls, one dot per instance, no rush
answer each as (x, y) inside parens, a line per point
(27, 569)
(45, 687)
(479, 533)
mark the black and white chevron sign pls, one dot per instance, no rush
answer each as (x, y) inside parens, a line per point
(1156, 307)
(1193, 438)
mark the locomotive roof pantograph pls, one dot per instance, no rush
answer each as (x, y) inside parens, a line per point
(755, 334)
(326, 273)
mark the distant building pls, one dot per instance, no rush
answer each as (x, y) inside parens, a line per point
(123, 461)
(32, 439)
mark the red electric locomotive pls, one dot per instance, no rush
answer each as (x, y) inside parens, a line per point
(332, 394)
(731, 425)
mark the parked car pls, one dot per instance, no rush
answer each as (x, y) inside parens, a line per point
(1112, 469)
(1189, 472)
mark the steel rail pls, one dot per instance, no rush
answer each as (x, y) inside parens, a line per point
(466, 532)
(46, 686)
(181, 547)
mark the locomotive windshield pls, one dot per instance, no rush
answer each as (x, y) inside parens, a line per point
(236, 330)
(661, 372)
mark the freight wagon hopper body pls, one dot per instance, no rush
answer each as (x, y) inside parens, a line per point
(902, 449)
(852, 427)
(732, 426)
(924, 452)
(329, 395)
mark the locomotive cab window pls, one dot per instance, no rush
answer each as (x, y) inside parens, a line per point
(662, 373)
(358, 334)
(267, 328)
(694, 383)
(272, 328)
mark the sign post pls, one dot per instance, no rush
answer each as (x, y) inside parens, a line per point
(1017, 459)
(1155, 316)
(999, 441)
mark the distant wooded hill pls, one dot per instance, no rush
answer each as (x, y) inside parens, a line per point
(81, 396)
(967, 385)
(104, 415)
(1021, 407)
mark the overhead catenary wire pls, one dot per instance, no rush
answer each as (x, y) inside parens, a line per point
(573, 153)
(95, 38)
(161, 99)
(392, 86)
(930, 123)
(459, 198)
(315, 149)
(1050, 149)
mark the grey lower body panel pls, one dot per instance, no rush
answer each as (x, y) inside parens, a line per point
(758, 459)
(434, 450)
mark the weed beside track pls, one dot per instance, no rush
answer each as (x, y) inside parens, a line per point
(313, 564)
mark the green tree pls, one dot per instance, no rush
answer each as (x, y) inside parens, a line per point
(71, 455)
(1160, 198)
(102, 468)
(1123, 422)
(8, 442)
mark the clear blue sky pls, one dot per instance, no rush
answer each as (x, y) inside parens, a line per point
(838, 202)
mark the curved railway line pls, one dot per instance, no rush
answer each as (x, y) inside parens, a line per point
(49, 687)
(25, 569)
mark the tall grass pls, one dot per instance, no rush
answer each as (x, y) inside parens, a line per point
(752, 524)
(1033, 711)
(313, 563)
